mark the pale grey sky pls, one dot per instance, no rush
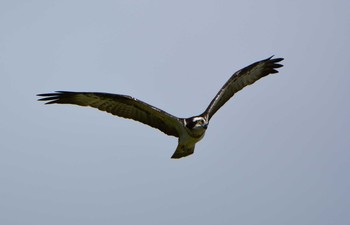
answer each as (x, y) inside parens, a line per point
(276, 153)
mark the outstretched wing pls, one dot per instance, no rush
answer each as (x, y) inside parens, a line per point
(239, 80)
(119, 105)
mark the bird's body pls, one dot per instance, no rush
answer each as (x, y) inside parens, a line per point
(188, 130)
(189, 137)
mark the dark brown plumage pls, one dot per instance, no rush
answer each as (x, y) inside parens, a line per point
(188, 130)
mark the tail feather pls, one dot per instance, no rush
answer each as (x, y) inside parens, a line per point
(182, 151)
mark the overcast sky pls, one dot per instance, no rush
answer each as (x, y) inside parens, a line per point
(277, 153)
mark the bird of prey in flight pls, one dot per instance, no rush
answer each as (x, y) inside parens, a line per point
(188, 130)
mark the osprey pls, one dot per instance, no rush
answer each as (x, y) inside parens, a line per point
(188, 130)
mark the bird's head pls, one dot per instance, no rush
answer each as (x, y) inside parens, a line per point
(196, 123)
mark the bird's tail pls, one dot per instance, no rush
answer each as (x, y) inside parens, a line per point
(182, 151)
